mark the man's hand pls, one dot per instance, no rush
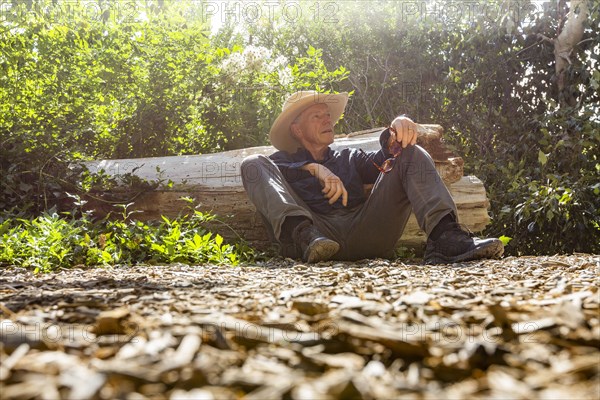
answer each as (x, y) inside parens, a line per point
(404, 131)
(333, 187)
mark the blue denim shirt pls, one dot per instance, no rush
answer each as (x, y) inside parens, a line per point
(353, 167)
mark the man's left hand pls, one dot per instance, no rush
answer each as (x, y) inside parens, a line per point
(404, 131)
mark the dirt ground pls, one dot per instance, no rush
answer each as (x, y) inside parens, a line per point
(525, 327)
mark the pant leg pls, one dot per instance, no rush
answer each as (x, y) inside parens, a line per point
(412, 185)
(270, 193)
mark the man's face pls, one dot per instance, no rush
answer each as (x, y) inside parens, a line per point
(314, 128)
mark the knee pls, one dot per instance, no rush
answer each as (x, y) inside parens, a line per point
(415, 156)
(253, 166)
(253, 160)
(415, 151)
(420, 153)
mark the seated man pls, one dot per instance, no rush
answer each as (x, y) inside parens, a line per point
(312, 199)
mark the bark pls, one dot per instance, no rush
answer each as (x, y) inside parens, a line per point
(565, 43)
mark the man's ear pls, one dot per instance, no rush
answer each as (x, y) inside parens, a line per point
(295, 131)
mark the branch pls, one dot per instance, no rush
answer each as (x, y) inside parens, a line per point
(384, 80)
(544, 39)
(586, 40)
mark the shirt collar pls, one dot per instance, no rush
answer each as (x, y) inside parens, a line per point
(303, 154)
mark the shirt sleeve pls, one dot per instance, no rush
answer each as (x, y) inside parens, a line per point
(383, 141)
(289, 167)
(365, 161)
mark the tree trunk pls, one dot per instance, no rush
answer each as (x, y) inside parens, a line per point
(565, 42)
(214, 181)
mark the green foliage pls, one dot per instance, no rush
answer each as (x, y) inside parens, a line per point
(139, 79)
(536, 153)
(51, 242)
(253, 84)
(44, 243)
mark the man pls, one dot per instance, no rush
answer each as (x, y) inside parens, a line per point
(312, 199)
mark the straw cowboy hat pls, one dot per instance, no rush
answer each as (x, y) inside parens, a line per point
(281, 135)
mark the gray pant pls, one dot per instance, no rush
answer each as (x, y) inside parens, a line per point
(369, 230)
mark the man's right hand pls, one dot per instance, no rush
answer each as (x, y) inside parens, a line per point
(333, 187)
(404, 131)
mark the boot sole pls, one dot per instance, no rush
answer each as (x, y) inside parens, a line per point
(321, 249)
(494, 249)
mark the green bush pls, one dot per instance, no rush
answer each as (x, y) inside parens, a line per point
(148, 82)
(50, 242)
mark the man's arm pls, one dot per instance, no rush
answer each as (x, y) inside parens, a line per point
(290, 168)
(333, 187)
(403, 130)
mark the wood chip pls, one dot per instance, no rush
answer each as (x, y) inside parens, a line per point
(521, 327)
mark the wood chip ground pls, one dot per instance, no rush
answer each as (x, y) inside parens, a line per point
(523, 328)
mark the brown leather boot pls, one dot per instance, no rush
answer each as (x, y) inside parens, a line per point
(456, 244)
(314, 246)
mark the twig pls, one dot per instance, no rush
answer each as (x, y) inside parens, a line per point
(585, 40)
(6, 310)
(42, 173)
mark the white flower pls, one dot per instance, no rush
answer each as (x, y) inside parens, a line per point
(253, 58)
(277, 64)
(280, 62)
(285, 76)
(234, 63)
(256, 56)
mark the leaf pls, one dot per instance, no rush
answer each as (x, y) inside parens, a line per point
(106, 256)
(505, 240)
(542, 158)
(197, 241)
(159, 248)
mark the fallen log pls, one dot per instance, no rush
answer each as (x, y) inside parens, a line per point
(214, 182)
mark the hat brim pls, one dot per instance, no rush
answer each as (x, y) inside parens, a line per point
(280, 134)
